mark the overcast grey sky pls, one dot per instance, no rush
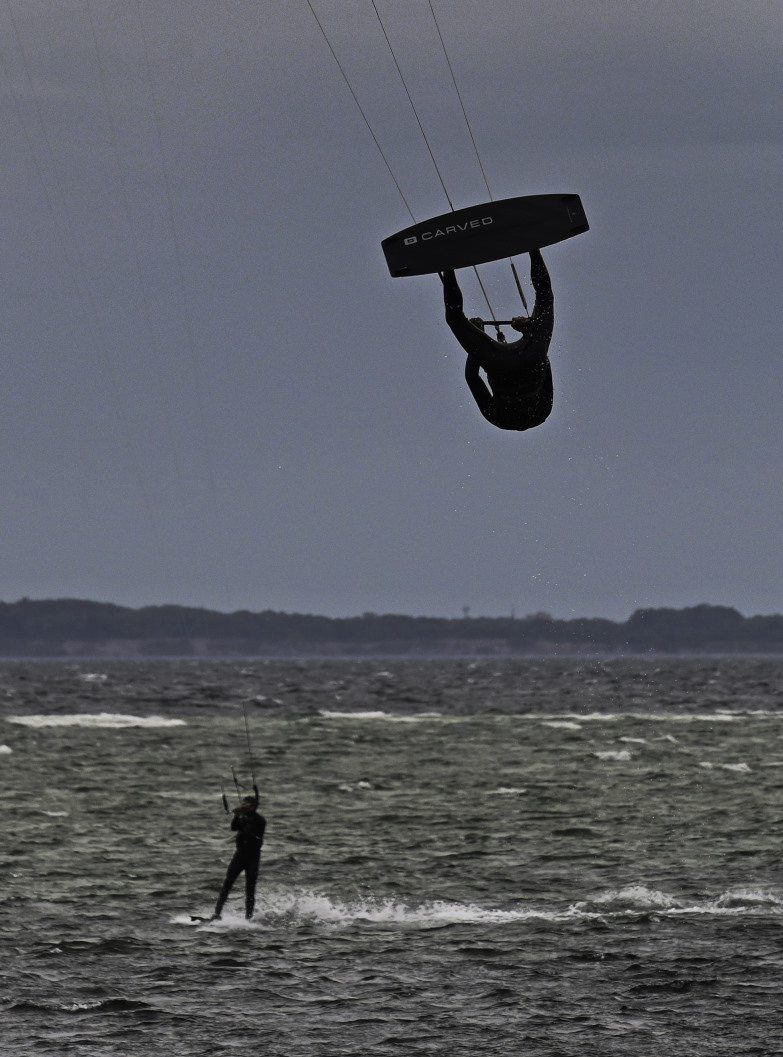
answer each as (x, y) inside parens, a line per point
(213, 392)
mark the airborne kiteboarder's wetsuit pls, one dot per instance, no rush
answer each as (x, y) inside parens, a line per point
(520, 390)
(249, 826)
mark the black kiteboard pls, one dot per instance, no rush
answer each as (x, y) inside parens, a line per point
(484, 233)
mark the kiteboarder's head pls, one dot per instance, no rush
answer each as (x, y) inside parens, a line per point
(250, 803)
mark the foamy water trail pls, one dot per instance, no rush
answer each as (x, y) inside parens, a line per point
(301, 908)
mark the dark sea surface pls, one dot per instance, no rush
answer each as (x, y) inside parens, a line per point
(488, 857)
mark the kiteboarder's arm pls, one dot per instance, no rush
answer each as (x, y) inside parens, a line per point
(538, 331)
(455, 314)
(468, 332)
(542, 283)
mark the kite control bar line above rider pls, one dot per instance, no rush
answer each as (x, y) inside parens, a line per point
(520, 392)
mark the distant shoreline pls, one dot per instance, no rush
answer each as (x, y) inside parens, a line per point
(70, 629)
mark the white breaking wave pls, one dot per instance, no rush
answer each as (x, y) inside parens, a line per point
(108, 720)
(720, 716)
(5, 750)
(565, 721)
(705, 717)
(738, 768)
(348, 787)
(389, 717)
(613, 754)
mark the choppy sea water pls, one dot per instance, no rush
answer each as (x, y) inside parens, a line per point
(494, 857)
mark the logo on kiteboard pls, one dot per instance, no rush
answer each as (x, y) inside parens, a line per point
(450, 229)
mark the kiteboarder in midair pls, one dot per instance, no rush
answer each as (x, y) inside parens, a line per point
(520, 391)
(249, 826)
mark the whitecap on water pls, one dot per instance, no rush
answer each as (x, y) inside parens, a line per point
(738, 768)
(613, 754)
(389, 717)
(5, 750)
(352, 715)
(701, 717)
(348, 787)
(101, 719)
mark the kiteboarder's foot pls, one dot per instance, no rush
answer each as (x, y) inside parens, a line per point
(216, 917)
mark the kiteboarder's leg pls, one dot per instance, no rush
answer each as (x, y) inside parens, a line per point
(235, 868)
(251, 876)
(481, 393)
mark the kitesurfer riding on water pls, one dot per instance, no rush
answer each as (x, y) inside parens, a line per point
(249, 827)
(520, 391)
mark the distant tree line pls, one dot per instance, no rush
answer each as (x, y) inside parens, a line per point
(71, 625)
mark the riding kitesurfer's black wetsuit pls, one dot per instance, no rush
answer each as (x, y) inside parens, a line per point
(250, 837)
(520, 392)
